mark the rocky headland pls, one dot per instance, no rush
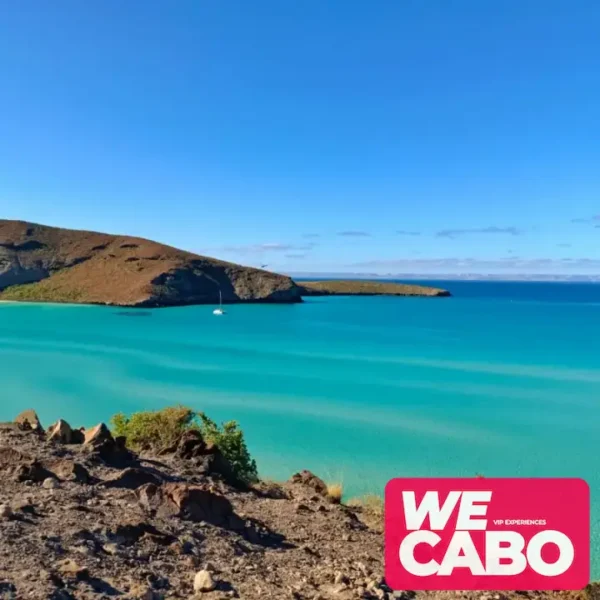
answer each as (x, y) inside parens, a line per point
(84, 517)
(50, 264)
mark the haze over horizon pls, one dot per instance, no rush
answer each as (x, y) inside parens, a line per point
(430, 138)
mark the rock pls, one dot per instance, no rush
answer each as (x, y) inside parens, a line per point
(271, 489)
(97, 435)
(152, 499)
(310, 480)
(78, 436)
(369, 584)
(25, 505)
(204, 582)
(100, 442)
(214, 463)
(340, 590)
(71, 570)
(9, 426)
(131, 533)
(205, 455)
(28, 419)
(11, 458)
(187, 545)
(60, 432)
(5, 511)
(21, 465)
(85, 550)
(71, 471)
(198, 504)
(131, 479)
(309, 550)
(111, 549)
(191, 445)
(145, 592)
(50, 483)
(193, 503)
(33, 471)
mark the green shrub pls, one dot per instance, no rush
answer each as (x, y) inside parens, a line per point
(229, 439)
(161, 429)
(154, 430)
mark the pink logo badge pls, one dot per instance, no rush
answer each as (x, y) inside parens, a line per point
(487, 534)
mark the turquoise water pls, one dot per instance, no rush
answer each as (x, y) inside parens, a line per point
(502, 379)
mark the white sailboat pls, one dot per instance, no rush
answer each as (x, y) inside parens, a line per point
(219, 311)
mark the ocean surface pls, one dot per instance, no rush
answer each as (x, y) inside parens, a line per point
(502, 379)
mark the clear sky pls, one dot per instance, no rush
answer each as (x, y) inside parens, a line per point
(311, 135)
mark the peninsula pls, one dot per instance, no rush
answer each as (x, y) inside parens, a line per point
(351, 287)
(39, 263)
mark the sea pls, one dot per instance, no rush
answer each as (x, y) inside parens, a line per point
(501, 379)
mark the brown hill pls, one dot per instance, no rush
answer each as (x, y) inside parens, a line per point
(49, 264)
(367, 288)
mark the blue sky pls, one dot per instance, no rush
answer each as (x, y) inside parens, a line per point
(436, 136)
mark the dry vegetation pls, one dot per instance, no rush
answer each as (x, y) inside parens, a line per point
(335, 491)
(371, 510)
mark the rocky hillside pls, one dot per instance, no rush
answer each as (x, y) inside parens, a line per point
(39, 263)
(353, 287)
(82, 517)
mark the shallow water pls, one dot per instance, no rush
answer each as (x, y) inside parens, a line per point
(502, 379)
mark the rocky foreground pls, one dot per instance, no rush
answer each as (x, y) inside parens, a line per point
(83, 517)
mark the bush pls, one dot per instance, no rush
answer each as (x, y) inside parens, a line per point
(229, 439)
(154, 430)
(161, 429)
